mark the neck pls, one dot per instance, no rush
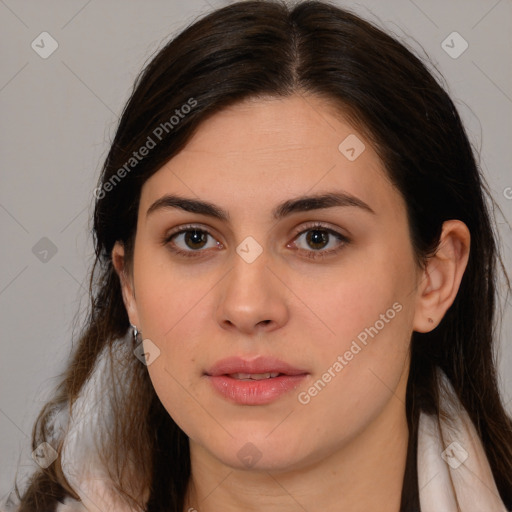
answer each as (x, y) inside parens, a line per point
(365, 474)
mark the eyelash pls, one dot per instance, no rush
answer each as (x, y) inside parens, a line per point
(314, 255)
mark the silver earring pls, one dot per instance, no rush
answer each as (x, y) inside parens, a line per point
(137, 335)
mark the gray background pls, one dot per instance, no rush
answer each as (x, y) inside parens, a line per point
(58, 115)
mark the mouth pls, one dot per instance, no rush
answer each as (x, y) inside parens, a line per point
(254, 382)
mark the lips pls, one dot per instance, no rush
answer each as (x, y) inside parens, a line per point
(259, 366)
(254, 382)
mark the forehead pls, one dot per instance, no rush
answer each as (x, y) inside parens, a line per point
(271, 148)
(271, 125)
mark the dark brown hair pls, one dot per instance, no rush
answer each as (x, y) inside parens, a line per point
(256, 49)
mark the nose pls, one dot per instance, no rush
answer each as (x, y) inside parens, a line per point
(252, 299)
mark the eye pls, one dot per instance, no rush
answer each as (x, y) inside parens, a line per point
(190, 241)
(319, 241)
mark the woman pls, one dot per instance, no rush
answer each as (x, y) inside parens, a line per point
(294, 292)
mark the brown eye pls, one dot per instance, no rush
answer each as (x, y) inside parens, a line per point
(195, 239)
(191, 241)
(318, 242)
(317, 238)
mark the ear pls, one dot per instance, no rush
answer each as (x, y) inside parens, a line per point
(121, 268)
(441, 278)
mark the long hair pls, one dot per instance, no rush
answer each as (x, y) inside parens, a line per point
(265, 48)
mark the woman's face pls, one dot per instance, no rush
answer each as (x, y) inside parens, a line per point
(327, 287)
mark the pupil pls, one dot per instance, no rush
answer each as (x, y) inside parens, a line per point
(317, 237)
(195, 237)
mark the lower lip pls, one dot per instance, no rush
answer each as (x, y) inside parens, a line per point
(254, 392)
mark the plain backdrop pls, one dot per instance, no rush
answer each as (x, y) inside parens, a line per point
(59, 113)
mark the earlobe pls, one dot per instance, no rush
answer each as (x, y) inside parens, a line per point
(119, 264)
(442, 276)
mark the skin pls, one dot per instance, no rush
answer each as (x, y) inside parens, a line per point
(346, 448)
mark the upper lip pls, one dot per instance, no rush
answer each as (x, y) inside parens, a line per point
(259, 364)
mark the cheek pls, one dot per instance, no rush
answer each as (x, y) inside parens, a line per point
(175, 318)
(366, 299)
(174, 309)
(365, 362)
(167, 295)
(367, 310)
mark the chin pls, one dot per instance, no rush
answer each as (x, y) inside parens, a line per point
(260, 454)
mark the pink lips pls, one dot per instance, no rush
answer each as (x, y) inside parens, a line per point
(253, 392)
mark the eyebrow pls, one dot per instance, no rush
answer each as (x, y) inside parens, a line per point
(299, 204)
